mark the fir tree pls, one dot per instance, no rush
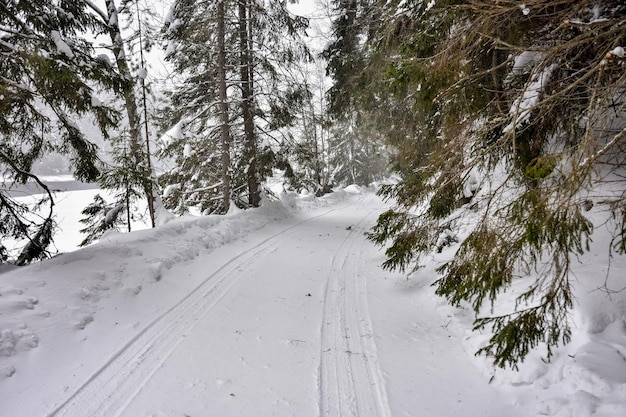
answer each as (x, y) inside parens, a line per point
(100, 217)
(119, 176)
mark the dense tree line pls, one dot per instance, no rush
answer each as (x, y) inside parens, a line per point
(239, 107)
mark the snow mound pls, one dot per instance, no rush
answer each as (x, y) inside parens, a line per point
(61, 319)
(73, 290)
(585, 378)
(354, 189)
(14, 341)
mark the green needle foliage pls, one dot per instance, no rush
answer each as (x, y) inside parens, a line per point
(100, 217)
(49, 74)
(233, 101)
(512, 116)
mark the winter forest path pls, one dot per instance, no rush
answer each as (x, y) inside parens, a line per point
(280, 326)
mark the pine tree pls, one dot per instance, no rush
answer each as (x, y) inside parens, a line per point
(49, 78)
(518, 114)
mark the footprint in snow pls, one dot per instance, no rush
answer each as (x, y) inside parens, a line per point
(84, 322)
(7, 372)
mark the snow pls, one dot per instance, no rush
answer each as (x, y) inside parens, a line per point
(61, 46)
(187, 151)
(523, 106)
(104, 59)
(96, 102)
(618, 51)
(113, 18)
(525, 10)
(174, 25)
(282, 310)
(169, 16)
(112, 214)
(142, 73)
(523, 62)
(169, 189)
(175, 133)
(170, 50)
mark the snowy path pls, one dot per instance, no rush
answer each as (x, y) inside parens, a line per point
(109, 391)
(351, 383)
(293, 319)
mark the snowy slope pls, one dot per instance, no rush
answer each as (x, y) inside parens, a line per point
(278, 311)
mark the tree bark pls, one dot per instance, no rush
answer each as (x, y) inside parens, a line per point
(150, 194)
(250, 145)
(223, 107)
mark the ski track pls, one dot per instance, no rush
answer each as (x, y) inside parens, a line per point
(351, 383)
(109, 391)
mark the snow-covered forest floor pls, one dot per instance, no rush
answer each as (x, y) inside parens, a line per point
(283, 311)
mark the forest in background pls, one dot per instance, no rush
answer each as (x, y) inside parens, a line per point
(511, 113)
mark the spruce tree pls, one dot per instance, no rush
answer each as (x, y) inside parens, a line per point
(50, 77)
(356, 144)
(233, 96)
(518, 114)
(200, 151)
(344, 54)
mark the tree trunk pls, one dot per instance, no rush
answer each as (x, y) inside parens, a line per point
(134, 122)
(223, 107)
(250, 145)
(149, 191)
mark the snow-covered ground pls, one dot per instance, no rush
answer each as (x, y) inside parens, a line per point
(279, 311)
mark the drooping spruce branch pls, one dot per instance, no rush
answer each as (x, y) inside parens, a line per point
(517, 118)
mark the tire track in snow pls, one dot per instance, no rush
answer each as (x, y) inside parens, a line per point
(109, 391)
(350, 380)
